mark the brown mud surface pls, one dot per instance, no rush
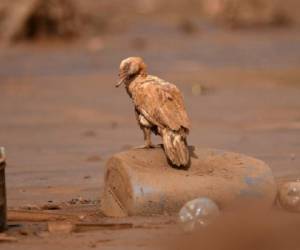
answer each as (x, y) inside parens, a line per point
(62, 118)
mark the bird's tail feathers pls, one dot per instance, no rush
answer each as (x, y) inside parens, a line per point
(176, 148)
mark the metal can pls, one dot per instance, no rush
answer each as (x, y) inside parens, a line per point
(2, 190)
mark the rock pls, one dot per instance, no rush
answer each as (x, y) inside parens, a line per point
(50, 207)
(289, 196)
(141, 182)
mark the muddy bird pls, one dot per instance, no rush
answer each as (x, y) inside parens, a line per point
(159, 109)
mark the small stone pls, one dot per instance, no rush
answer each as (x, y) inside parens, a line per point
(51, 207)
(82, 217)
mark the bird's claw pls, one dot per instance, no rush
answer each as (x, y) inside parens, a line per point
(147, 146)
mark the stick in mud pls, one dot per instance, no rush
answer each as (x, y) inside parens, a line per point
(6, 238)
(40, 216)
(81, 227)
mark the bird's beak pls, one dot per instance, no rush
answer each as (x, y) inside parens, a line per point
(120, 83)
(122, 76)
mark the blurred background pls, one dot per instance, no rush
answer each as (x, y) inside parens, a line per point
(236, 62)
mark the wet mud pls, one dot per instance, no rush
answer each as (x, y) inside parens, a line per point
(62, 118)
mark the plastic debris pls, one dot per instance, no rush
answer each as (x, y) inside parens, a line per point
(289, 196)
(198, 213)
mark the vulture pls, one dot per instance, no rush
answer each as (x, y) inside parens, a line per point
(159, 109)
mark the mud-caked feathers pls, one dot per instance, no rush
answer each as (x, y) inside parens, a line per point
(161, 104)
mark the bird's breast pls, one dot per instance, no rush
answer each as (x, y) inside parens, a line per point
(144, 121)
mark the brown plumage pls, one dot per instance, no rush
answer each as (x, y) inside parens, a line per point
(159, 109)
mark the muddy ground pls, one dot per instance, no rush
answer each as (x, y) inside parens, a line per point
(62, 118)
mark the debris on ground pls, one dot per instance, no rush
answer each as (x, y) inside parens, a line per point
(82, 227)
(30, 207)
(289, 196)
(34, 207)
(82, 201)
(38, 216)
(51, 207)
(197, 213)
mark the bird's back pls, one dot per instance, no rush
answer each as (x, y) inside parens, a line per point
(160, 102)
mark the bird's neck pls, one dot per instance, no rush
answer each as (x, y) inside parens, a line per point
(133, 82)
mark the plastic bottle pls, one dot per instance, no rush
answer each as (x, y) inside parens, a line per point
(198, 213)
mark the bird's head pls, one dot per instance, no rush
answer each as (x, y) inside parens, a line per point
(130, 68)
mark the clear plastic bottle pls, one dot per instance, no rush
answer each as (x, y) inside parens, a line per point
(289, 196)
(198, 213)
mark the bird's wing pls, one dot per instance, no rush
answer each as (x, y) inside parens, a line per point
(161, 103)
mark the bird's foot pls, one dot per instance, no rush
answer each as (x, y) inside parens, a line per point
(147, 146)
